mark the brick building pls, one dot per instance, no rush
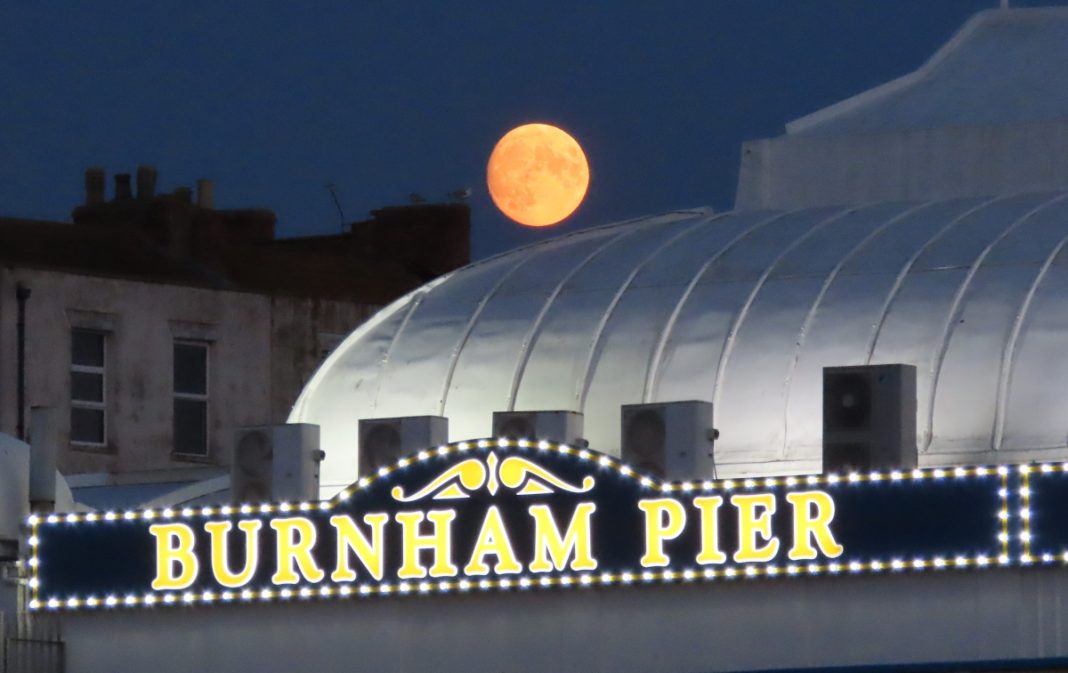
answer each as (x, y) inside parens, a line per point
(162, 323)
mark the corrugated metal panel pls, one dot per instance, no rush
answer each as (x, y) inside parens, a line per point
(20, 653)
(743, 308)
(24, 655)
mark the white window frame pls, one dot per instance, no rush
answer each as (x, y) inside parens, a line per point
(101, 406)
(196, 397)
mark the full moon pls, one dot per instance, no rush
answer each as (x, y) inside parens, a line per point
(537, 174)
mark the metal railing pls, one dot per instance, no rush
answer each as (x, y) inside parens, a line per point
(22, 653)
(26, 655)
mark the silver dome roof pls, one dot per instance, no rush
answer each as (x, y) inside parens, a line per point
(743, 309)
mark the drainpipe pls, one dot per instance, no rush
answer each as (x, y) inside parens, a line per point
(22, 293)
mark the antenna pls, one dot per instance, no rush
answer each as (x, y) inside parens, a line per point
(337, 204)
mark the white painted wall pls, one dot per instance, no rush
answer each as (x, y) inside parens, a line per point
(1010, 614)
(800, 171)
(987, 114)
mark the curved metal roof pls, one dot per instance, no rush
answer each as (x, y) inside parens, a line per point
(743, 309)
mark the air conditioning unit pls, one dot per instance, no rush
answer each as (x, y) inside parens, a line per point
(670, 440)
(252, 465)
(296, 462)
(556, 426)
(869, 418)
(279, 462)
(385, 440)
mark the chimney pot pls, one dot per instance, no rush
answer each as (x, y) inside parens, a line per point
(94, 185)
(184, 194)
(122, 187)
(146, 182)
(205, 193)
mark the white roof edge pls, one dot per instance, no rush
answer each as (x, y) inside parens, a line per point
(190, 492)
(164, 476)
(886, 89)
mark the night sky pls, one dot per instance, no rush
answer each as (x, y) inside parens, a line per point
(274, 100)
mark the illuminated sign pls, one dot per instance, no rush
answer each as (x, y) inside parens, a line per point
(506, 515)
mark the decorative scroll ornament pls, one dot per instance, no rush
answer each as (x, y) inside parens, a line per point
(515, 473)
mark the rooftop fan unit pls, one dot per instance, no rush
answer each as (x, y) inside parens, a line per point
(555, 426)
(670, 440)
(384, 441)
(869, 418)
(252, 466)
(279, 462)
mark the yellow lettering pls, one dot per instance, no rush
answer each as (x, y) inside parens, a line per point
(493, 539)
(349, 537)
(664, 520)
(220, 555)
(753, 525)
(710, 551)
(296, 537)
(440, 541)
(813, 511)
(551, 551)
(174, 547)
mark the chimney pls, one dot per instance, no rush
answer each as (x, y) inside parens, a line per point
(205, 193)
(94, 185)
(122, 187)
(146, 182)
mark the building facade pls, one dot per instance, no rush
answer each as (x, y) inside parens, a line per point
(160, 325)
(492, 553)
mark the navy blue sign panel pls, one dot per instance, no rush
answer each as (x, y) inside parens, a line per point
(1041, 504)
(512, 515)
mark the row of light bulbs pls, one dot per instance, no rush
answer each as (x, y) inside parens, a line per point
(585, 580)
(525, 583)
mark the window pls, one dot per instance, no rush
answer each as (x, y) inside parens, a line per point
(88, 407)
(191, 398)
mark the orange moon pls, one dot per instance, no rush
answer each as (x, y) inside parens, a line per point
(537, 175)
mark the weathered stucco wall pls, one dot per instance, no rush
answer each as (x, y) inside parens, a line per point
(302, 332)
(262, 350)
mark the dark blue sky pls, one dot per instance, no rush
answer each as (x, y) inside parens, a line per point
(383, 98)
